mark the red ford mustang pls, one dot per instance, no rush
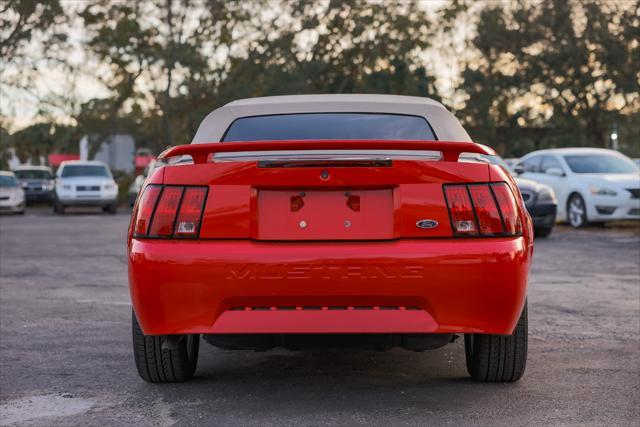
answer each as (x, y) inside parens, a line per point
(329, 221)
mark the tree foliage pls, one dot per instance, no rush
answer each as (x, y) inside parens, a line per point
(559, 72)
(20, 19)
(556, 72)
(195, 56)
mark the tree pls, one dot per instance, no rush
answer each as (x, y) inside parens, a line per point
(30, 33)
(20, 19)
(41, 139)
(569, 66)
(171, 63)
(340, 47)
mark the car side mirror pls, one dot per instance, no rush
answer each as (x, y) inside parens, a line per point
(518, 169)
(554, 172)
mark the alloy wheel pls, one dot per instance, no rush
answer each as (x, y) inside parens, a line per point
(577, 212)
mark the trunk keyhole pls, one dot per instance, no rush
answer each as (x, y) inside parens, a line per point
(296, 203)
(354, 203)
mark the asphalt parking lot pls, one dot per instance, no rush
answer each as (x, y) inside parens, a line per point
(66, 358)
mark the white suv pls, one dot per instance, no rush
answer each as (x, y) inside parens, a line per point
(85, 183)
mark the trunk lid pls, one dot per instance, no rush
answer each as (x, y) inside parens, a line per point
(311, 197)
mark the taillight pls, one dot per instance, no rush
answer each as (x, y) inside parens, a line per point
(489, 217)
(482, 210)
(145, 210)
(190, 216)
(170, 212)
(165, 213)
(463, 219)
(508, 206)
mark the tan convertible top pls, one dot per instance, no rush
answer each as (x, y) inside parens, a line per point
(444, 124)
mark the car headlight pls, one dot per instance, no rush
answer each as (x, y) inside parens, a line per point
(48, 186)
(110, 187)
(602, 191)
(66, 187)
(546, 194)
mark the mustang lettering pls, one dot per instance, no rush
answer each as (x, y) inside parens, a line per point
(323, 272)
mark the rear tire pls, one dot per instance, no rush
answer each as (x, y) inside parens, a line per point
(58, 207)
(542, 231)
(498, 358)
(577, 211)
(112, 209)
(158, 365)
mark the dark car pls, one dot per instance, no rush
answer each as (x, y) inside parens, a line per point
(37, 183)
(539, 199)
(541, 203)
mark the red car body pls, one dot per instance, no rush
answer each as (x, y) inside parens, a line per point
(327, 247)
(237, 278)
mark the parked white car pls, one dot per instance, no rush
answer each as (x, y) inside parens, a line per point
(592, 184)
(85, 183)
(511, 162)
(11, 193)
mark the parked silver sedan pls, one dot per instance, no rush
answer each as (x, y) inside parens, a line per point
(11, 194)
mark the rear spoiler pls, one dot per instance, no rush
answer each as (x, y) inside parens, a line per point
(200, 152)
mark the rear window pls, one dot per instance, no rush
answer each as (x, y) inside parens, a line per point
(84, 170)
(32, 174)
(329, 126)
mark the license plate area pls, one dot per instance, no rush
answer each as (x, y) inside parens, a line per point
(325, 214)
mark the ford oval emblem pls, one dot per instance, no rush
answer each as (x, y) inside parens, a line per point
(427, 223)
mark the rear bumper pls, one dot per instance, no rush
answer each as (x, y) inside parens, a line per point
(12, 208)
(543, 215)
(38, 196)
(402, 286)
(87, 201)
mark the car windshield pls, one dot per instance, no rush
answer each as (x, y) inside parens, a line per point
(329, 126)
(33, 174)
(70, 171)
(600, 163)
(8, 181)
